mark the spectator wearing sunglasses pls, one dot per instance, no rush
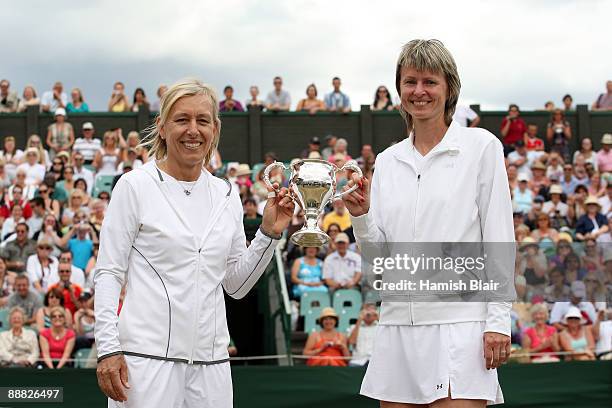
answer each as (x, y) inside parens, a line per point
(56, 342)
(42, 267)
(70, 290)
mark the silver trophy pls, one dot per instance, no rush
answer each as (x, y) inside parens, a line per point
(312, 185)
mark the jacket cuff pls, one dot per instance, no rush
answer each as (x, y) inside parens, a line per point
(115, 353)
(270, 235)
(498, 317)
(362, 225)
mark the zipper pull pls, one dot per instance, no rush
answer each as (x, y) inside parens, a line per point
(418, 178)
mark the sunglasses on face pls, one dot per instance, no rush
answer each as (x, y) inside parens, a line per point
(21, 231)
(65, 271)
(57, 316)
(43, 191)
(45, 248)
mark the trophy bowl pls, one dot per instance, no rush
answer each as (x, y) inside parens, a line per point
(312, 185)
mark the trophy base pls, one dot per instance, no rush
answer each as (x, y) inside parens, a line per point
(306, 238)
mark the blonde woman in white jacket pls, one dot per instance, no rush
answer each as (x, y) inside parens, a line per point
(173, 235)
(444, 183)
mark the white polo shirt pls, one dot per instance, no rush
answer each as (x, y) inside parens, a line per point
(341, 269)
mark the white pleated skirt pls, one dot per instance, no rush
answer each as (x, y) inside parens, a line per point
(417, 364)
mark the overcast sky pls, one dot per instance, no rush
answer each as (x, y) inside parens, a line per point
(526, 52)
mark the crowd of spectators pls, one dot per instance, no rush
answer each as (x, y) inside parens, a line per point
(51, 213)
(277, 100)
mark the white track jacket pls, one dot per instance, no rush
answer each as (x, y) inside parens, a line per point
(461, 195)
(174, 307)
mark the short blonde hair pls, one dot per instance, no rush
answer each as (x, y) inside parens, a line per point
(133, 135)
(539, 307)
(60, 309)
(431, 56)
(184, 87)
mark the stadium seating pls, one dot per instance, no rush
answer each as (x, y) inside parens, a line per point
(311, 305)
(103, 183)
(4, 319)
(347, 303)
(80, 358)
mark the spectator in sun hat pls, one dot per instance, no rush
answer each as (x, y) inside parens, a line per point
(87, 145)
(578, 337)
(328, 344)
(538, 178)
(604, 156)
(577, 299)
(35, 172)
(592, 224)
(555, 208)
(522, 195)
(60, 134)
(243, 176)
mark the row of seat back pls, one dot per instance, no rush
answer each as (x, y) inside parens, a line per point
(346, 303)
(103, 183)
(4, 319)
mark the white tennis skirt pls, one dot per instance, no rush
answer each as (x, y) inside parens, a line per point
(417, 364)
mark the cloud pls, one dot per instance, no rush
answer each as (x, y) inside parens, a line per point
(520, 51)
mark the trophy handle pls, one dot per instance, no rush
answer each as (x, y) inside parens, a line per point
(266, 173)
(349, 165)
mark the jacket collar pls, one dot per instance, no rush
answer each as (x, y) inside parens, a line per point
(449, 145)
(220, 193)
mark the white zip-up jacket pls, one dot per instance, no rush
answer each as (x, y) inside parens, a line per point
(174, 307)
(460, 195)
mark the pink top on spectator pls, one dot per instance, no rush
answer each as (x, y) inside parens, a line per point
(536, 340)
(57, 347)
(604, 161)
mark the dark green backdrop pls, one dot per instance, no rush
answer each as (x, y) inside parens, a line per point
(576, 384)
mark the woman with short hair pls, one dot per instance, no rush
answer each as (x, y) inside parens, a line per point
(443, 184)
(18, 345)
(541, 340)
